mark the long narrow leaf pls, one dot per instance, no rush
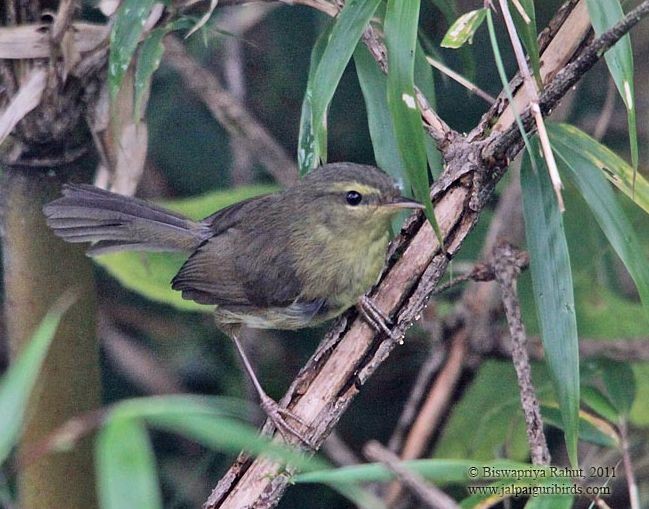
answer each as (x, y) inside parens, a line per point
(401, 19)
(618, 171)
(553, 295)
(373, 85)
(340, 44)
(126, 470)
(619, 59)
(20, 378)
(442, 471)
(312, 140)
(527, 30)
(607, 211)
(425, 83)
(124, 38)
(500, 66)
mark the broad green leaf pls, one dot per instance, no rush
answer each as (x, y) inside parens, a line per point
(614, 167)
(619, 59)
(124, 38)
(126, 470)
(464, 28)
(440, 471)
(553, 295)
(603, 204)
(527, 32)
(150, 274)
(312, 140)
(19, 380)
(148, 61)
(591, 428)
(593, 397)
(348, 26)
(401, 19)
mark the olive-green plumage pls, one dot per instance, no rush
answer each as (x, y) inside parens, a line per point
(283, 261)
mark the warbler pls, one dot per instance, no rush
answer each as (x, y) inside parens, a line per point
(287, 260)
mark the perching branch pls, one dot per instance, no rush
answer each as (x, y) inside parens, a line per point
(351, 351)
(507, 264)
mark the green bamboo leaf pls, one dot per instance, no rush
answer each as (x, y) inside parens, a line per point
(615, 169)
(440, 471)
(126, 470)
(374, 85)
(603, 204)
(527, 31)
(19, 380)
(619, 59)
(312, 140)
(124, 37)
(347, 28)
(500, 66)
(426, 84)
(181, 404)
(464, 28)
(150, 274)
(553, 295)
(401, 20)
(148, 61)
(229, 435)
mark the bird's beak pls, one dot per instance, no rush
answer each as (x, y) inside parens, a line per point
(401, 202)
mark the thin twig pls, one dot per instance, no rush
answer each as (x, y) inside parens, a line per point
(533, 95)
(461, 80)
(231, 113)
(429, 494)
(507, 263)
(338, 451)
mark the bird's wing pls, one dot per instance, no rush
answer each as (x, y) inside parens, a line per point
(241, 265)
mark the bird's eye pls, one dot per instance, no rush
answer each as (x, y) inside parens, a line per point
(354, 197)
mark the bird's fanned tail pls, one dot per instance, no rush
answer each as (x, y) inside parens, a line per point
(113, 222)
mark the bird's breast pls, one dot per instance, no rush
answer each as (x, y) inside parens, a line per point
(341, 272)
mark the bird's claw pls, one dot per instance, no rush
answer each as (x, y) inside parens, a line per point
(375, 317)
(277, 415)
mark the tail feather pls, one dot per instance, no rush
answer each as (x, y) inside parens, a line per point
(117, 223)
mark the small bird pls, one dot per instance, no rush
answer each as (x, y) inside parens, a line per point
(287, 260)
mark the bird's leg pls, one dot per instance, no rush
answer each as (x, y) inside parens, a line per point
(274, 412)
(375, 317)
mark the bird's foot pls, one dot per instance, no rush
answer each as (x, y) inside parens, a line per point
(376, 318)
(278, 416)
